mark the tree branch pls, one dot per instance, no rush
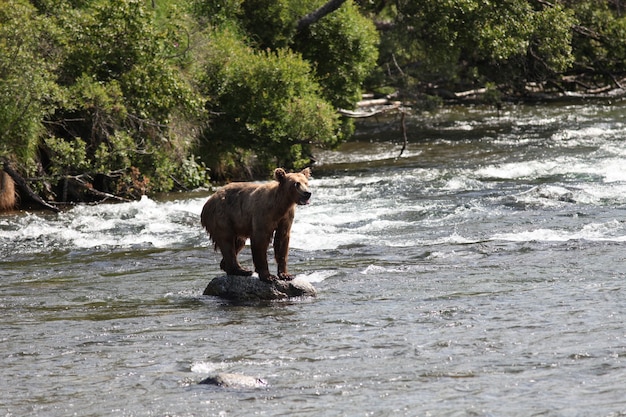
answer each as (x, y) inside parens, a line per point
(316, 15)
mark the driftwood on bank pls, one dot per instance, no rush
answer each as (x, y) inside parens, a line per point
(566, 89)
(374, 106)
(80, 183)
(370, 109)
(371, 106)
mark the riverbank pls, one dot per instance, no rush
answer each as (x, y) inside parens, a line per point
(18, 192)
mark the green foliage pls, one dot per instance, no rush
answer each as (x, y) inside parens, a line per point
(269, 104)
(266, 102)
(472, 41)
(131, 90)
(501, 33)
(192, 172)
(271, 23)
(108, 39)
(551, 38)
(341, 47)
(115, 153)
(599, 41)
(122, 92)
(217, 12)
(343, 50)
(66, 158)
(265, 23)
(26, 85)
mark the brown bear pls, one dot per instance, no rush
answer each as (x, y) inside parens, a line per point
(243, 210)
(7, 192)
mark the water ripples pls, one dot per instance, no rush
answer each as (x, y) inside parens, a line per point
(480, 273)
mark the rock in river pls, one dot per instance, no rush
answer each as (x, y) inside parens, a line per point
(234, 381)
(242, 288)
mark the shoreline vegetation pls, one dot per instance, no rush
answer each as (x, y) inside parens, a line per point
(108, 101)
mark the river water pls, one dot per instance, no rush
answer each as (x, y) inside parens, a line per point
(482, 273)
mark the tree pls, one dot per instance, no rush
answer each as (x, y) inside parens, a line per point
(599, 38)
(470, 42)
(273, 91)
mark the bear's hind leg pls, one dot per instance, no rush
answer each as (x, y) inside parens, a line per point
(229, 262)
(240, 243)
(259, 257)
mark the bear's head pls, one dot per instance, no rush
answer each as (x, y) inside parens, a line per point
(296, 185)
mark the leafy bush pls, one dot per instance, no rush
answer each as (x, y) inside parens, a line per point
(342, 48)
(193, 173)
(66, 157)
(122, 94)
(26, 81)
(217, 12)
(599, 38)
(452, 42)
(265, 102)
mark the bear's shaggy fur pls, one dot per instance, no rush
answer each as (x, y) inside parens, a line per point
(7, 192)
(240, 211)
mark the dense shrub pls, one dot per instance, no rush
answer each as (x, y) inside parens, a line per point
(264, 102)
(343, 49)
(26, 81)
(599, 39)
(455, 42)
(119, 83)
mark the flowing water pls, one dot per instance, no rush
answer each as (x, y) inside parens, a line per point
(481, 273)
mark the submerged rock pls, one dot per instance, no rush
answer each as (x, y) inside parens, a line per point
(242, 288)
(234, 381)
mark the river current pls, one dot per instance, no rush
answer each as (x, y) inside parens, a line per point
(483, 272)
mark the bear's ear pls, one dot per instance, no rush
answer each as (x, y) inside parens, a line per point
(279, 174)
(306, 172)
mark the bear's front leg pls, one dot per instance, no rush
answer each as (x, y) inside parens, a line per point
(259, 257)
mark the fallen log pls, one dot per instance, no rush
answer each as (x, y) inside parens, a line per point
(360, 114)
(374, 106)
(372, 102)
(21, 183)
(79, 182)
(475, 92)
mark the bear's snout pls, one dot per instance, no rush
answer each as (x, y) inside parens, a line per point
(304, 198)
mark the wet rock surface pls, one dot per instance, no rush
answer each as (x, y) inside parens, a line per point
(242, 288)
(227, 380)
